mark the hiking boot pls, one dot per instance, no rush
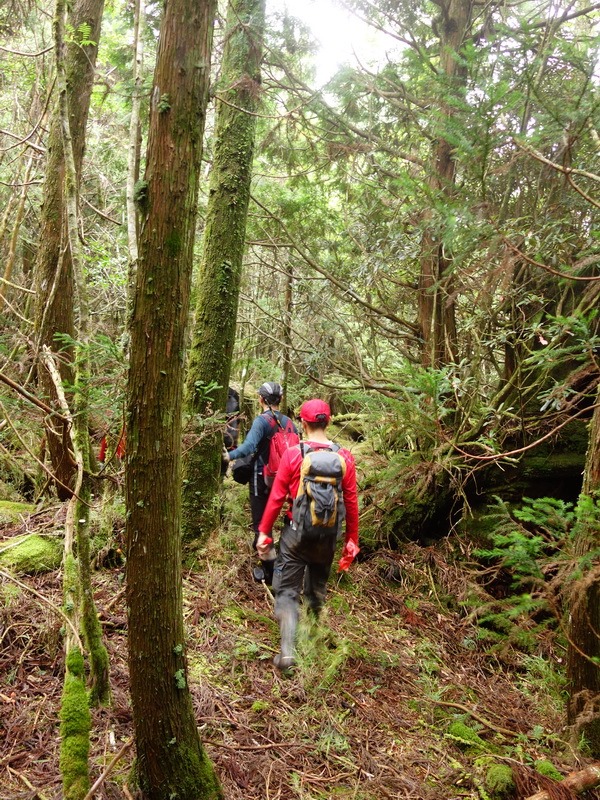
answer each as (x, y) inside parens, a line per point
(258, 574)
(288, 620)
(284, 663)
(264, 572)
(268, 567)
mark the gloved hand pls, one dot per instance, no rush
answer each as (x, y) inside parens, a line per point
(264, 547)
(225, 455)
(349, 553)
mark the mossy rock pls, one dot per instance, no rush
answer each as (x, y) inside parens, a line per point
(32, 554)
(11, 512)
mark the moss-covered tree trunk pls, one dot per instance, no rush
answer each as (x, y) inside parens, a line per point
(82, 375)
(219, 281)
(171, 762)
(583, 660)
(436, 289)
(54, 314)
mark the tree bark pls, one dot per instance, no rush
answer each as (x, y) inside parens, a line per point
(98, 655)
(576, 782)
(171, 761)
(224, 242)
(583, 657)
(54, 314)
(436, 301)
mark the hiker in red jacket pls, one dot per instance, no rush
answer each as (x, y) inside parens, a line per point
(308, 540)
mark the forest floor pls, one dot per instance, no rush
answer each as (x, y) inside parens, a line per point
(395, 695)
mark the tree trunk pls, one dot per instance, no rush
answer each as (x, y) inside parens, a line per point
(171, 761)
(82, 372)
(583, 657)
(436, 301)
(220, 274)
(53, 269)
(286, 338)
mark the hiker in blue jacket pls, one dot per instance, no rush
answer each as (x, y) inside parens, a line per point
(258, 441)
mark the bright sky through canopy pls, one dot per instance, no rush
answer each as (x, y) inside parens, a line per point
(342, 37)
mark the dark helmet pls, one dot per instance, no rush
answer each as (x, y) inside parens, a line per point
(271, 393)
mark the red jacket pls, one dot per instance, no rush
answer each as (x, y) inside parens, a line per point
(287, 480)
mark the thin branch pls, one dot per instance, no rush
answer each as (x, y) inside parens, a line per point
(100, 213)
(33, 455)
(16, 286)
(27, 55)
(558, 167)
(566, 18)
(545, 267)
(21, 140)
(517, 451)
(118, 756)
(32, 398)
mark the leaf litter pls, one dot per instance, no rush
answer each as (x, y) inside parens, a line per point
(367, 714)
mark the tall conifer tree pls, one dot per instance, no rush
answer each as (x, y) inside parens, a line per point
(171, 761)
(219, 284)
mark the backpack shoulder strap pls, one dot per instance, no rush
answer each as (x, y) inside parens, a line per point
(271, 418)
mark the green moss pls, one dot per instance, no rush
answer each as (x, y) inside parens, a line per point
(75, 726)
(71, 585)
(499, 782)
(11, 512)
(466, 737)
(32, 554)
(9, 593)
(75, 663)
(548, 769)
(195, 774)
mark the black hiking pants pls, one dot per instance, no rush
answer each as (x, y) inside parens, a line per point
(302, 567)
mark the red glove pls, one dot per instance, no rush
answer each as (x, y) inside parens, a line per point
(349, 553)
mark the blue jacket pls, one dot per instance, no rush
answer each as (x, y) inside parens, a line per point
(259, 436)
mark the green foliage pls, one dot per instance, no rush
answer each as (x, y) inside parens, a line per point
(586, 530)
(163, 104)
(81, 36)
(523, 538)
(526, 547)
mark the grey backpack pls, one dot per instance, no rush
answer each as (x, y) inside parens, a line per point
(318, 508)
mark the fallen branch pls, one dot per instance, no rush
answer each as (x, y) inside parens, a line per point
(108, 770)
(479, 718)
(576, 782)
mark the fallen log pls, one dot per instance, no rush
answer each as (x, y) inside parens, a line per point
(576, 782)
